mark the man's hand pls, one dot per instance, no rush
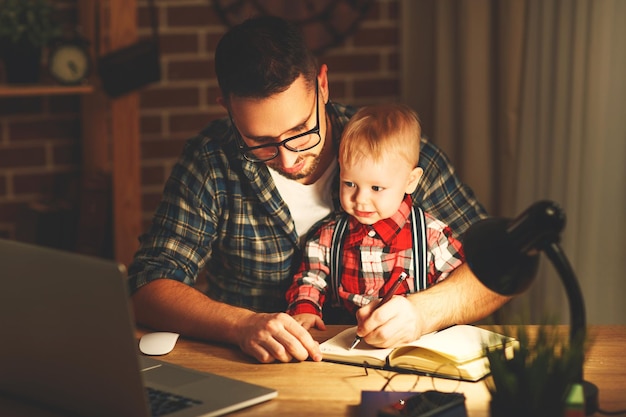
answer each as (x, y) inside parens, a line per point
(273, 337)
(267, 337)
(309, 321)
(393, 323)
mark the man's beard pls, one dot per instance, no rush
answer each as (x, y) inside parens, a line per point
(298, 175)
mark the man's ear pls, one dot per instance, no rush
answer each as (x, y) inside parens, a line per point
(322, 81)
(220, 100)
(414, 179)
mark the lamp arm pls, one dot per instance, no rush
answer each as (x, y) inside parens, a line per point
(577, 316)
(574, 294)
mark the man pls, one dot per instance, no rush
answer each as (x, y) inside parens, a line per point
(247, 190)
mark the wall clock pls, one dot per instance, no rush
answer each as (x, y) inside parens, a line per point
(325, 23)
(68, 62)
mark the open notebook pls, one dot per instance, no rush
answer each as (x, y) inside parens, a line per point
(68, 343)
(458, 352)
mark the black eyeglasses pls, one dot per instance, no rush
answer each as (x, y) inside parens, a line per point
(408, 381)
(298, 143)
(390, 376)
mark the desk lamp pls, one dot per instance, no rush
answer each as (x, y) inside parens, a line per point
(504, 255)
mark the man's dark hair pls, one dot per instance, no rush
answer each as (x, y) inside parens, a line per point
(261, 57)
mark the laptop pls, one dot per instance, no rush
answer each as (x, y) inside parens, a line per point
(67, 342)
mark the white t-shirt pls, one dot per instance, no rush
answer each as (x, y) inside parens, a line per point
(307, 203)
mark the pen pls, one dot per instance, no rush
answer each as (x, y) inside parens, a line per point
(386, 298)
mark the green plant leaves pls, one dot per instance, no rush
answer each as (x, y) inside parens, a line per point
(28, 22)
(536, 379)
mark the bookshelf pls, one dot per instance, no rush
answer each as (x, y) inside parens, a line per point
(110, 127)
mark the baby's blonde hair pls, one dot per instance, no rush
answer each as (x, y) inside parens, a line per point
(381, 130)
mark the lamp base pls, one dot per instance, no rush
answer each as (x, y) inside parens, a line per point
(591, 397)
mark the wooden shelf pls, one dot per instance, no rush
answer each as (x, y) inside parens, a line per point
(43, 90)
(110, 129)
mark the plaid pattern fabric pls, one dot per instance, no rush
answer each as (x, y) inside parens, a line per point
(373, 257)
(223, 215)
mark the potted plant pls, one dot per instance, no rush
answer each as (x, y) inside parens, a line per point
(26, 27)
(537, 378)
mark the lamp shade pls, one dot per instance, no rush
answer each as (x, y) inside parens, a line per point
(495, 261)
(504, 254)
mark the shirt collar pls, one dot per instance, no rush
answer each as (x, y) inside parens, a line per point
(386, 229)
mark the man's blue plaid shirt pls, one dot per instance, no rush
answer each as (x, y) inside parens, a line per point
(223, 214)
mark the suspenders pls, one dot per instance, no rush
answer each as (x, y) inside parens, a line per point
(418, 229)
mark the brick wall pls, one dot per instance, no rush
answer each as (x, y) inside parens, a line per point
(40, 136)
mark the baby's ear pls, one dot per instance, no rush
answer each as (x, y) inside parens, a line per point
(414, 179)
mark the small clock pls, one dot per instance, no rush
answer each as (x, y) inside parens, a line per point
(69, 63)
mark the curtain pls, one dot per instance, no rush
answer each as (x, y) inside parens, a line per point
(528, 99)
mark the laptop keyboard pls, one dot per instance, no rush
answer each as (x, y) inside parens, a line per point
(163, 403)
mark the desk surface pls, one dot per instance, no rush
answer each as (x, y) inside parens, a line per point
(327, 389)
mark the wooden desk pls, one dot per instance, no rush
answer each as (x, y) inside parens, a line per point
(327, 389)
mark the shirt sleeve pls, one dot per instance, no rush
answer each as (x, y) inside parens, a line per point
(445, 252)
(307, 292)
(178, 243)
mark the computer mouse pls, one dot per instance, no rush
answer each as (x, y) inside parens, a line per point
(157, 343)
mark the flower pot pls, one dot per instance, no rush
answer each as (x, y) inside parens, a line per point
(22, 63)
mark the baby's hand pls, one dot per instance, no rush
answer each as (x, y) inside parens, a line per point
(309, 321)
